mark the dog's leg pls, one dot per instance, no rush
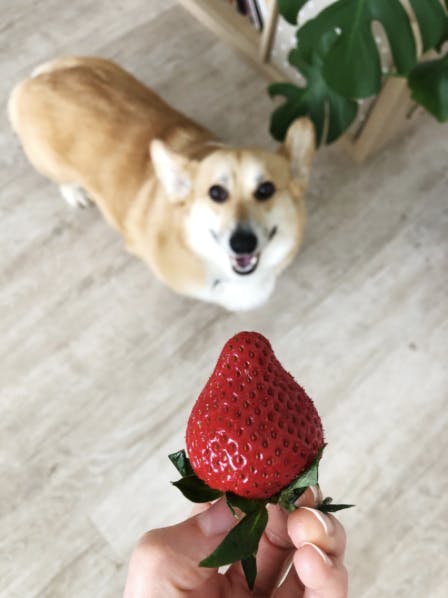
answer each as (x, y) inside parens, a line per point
(75, 196)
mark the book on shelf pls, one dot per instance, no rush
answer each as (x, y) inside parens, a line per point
(252, 9)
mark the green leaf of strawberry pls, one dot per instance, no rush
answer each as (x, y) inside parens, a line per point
(310, 477)
(333, 508)
(181, 463)
(246, 505)
(196, 490)
(241, 542)
(250, 570)
(190, 485)
(327, 506)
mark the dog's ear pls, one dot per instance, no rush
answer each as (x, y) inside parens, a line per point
(173, 170)
(299, 146)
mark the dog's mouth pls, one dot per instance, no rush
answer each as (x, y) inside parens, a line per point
(245, 263)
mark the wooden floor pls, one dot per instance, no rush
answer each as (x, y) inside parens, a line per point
(100, 364)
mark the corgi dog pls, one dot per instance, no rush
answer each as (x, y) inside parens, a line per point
(213, 222)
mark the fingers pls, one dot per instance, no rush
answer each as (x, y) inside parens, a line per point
(167, 559)
(276, 547)
(313, 526)
(318, 560)
(199, 507)
(310, 498)
(322, 576)
(165, 563)
(274, 551)
(291, 586)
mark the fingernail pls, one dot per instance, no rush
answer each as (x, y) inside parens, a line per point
(326, 559)
(218, 519)
(317, 494)
(325, 522)
(306, 498)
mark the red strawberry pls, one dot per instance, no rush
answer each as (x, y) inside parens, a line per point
(255, 435)
(253, 429)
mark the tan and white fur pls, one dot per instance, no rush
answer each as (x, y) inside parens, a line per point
(213, 222)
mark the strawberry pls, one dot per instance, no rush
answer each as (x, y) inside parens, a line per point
(255, 436)
(253, 429)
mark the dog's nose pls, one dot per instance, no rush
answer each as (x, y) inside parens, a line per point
(243, 241)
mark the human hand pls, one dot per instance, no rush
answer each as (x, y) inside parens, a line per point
(165, 562)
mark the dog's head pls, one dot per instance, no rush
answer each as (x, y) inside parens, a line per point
(243, 207)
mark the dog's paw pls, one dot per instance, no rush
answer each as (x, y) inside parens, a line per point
(75, 196)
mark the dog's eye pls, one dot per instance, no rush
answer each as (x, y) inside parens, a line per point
(265, 190)
(218, 193)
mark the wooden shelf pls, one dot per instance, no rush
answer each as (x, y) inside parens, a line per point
(389, 113)
(225, 22)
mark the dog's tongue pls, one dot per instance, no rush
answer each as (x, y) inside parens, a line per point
(244, 261)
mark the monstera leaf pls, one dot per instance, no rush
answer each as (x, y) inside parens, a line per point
(337, 54)
(326, 108)
(289, 9)
(428, 83)
(432, 22)
(352, 65)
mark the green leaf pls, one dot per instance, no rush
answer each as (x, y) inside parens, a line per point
(326, 506)
(190, 485)
(352, 65)
(325, 107)
(247, 505)
(428, 83)
(241, 542)
(297, 487)
(250, 570)
(432, 21)
(196, 490)
(310, 476)
(289, 9)
(288, 497)
(181, 463)
(296, 104)
(327, 500)
(332, 508)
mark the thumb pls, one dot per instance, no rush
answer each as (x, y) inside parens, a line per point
(167, 559)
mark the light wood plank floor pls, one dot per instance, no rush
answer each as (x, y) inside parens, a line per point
(100, 364)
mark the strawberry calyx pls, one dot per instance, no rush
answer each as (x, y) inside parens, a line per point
(328, 506)
(241, 543)
(189, 484)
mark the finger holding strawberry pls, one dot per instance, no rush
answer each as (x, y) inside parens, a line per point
(255, 437)
(164, 562)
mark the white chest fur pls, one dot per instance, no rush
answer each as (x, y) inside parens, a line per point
(239, 293)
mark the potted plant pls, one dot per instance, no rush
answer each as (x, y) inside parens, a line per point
(337, 54)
